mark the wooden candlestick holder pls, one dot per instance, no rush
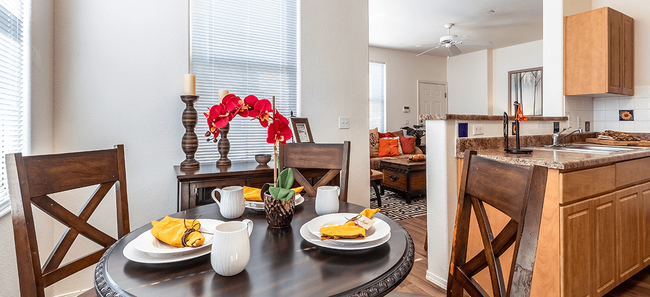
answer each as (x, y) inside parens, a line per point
(223, 146)
(190, 142)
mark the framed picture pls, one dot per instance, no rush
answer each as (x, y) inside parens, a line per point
(301, 130)
(525, 87)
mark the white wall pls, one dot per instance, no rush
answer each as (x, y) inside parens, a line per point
(516, 57)
(553, 57)
(403, 70)
(41, 132)
(118, 82)
(467, 77)
(334, 80)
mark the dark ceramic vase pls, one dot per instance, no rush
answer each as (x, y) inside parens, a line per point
(278, 213)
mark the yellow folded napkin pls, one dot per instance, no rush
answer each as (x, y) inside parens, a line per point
(254, 194)
(170, 231)
(348, 230)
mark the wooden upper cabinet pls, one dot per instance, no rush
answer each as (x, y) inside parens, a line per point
(599, 53)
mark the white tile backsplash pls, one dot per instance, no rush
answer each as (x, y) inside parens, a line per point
(611, 115)
(626, 126)
(612, 126)
(626, 103)
(610, 106)
(640, 103)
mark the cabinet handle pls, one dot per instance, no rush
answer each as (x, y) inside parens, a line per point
(393, 177)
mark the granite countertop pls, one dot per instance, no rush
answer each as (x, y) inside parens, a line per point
(563, 160)
(473, 117)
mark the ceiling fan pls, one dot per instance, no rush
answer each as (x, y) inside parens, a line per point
(450, 41)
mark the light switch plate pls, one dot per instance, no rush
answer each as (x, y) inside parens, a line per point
(344, 123)
(406, 122)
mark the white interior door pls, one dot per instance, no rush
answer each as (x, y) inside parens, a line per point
(432, 98)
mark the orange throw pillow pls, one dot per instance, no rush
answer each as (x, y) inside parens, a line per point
(387, 134)
(388, 147)
(408, 144)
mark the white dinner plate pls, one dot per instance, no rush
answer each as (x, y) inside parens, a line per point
(378, 230)
(332, 244)
(259, 206)
(131, 253)
(146, 243)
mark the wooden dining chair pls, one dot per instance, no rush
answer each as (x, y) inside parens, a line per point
(516, 191)
(334, 158)
(31, 180)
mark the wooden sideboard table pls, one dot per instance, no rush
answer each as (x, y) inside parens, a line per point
(404, 177)
(239, 173)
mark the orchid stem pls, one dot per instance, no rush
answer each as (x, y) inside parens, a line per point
(275, 165)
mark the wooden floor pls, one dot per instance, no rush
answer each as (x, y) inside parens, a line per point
(416, 282)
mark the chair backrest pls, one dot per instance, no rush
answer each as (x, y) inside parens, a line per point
(31, 179)
(518, 192)
(335, 158)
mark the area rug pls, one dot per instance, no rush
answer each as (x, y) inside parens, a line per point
(395, 207)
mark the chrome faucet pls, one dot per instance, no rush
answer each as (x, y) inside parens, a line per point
(557, 137)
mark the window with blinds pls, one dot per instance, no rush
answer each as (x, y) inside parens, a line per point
(248, 47)
(377, 93)
(12, 101)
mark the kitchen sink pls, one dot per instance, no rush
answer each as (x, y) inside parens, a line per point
(590, 148)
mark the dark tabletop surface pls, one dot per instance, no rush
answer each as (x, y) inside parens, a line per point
(282, 263)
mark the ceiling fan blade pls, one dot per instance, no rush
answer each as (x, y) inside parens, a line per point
(454, 50)
(476, 42)
(424, 52)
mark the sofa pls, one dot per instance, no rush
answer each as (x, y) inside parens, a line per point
(375, 161)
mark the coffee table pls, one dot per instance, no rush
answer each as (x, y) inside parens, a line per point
(404, 177)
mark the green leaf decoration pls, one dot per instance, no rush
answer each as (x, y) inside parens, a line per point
(281, 193)
(285, 178)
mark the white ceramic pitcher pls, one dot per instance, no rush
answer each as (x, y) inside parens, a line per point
(231, 247)
(327, 200)
(232, 204)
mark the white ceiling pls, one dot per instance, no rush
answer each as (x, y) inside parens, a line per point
(403, 24)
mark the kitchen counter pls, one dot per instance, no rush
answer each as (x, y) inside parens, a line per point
(562, 160)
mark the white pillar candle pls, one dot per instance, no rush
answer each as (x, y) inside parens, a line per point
(190, 84)
(223, 93)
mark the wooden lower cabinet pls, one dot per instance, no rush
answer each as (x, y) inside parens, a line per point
(577, 242)
(628, 231)
(604, 229)
(588, 247)
(604, 241)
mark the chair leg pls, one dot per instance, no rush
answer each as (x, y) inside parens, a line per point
(374, 186)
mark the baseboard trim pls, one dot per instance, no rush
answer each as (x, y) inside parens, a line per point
(438, 281)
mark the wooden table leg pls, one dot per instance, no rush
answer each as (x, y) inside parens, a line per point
(184, 199)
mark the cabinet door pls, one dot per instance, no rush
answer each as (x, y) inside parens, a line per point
(604, 269)
(645, 224)
(628, 233)
(616, 48)
(627, 75)
(577, 243)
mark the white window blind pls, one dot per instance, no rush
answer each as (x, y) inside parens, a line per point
(12, 103)
(377, 82)
(248, 47)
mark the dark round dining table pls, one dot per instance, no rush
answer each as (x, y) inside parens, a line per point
(282, 263)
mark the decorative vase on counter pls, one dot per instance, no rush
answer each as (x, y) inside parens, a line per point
(278, 213)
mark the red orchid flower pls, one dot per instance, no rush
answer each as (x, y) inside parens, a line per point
(248, 106)
(217, 118)
(262, 111)
(233, 105)
(279, 131)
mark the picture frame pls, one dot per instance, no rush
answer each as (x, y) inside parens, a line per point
(525, 87)
(301, 130)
